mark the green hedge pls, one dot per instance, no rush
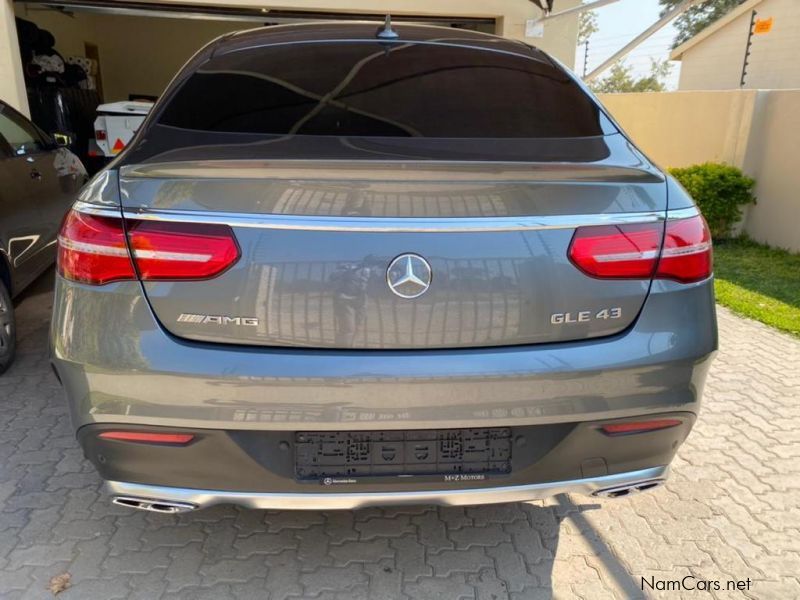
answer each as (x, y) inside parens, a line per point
(720, 191)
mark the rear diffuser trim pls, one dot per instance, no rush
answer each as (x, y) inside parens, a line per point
(352, 500)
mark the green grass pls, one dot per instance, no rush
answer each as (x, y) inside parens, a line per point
(759, 282)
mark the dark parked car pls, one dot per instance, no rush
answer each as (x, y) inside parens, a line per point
(39, 180)
(342, 266)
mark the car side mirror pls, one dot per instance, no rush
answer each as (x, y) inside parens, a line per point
(62, 140)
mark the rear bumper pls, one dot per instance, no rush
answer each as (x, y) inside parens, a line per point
(282, 463)
(244, 405)
(118, 365)
(191, 499)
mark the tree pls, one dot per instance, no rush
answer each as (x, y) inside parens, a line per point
(587, 26)
(621, 79)
(698, 17)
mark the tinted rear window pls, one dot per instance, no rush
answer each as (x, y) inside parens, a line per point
(369, 89)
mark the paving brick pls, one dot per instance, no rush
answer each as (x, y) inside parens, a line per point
(410, 558)
(459, 561)
(233, 570)
(441, 588)
(360, 552)
(385, 580)
(283, 577)
(377, 527)
(333, 579)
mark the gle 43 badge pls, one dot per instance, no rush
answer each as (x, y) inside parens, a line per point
(583, 316)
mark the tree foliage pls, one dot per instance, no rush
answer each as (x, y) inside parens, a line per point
(587, 26)
(698, 17)
(621, 79)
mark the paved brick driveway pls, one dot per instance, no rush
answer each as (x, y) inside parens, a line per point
(731, 510)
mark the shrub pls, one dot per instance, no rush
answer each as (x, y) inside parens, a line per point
(720, 191)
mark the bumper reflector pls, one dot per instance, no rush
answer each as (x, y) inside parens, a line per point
(178, 439)
(639, 426)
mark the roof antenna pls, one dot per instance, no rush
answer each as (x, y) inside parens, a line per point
(386, 32)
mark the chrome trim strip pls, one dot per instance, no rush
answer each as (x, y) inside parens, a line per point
(100, 210)
(397, 224)
(89, 248)
(378, 224)
(682, 213)
(351, 500)
(387, 224)
(698, 248)
(626, 256)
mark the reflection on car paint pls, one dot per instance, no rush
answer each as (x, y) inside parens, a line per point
(66, 163)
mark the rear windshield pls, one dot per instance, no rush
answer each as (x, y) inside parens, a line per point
(383, 90)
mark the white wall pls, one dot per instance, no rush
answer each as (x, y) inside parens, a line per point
(12, 85)
(774, 159)
(757, 131)
(716, 62)
(683, 128)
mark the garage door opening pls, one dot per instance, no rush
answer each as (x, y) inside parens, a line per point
(78, 55)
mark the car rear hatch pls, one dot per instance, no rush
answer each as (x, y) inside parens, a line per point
(408, 195)
(316, 241)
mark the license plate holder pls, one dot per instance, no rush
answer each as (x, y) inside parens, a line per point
(449, 454)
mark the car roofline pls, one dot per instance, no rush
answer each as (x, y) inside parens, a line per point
(520, 53)
(362, 31)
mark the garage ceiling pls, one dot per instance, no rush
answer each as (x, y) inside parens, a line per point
(219, 13)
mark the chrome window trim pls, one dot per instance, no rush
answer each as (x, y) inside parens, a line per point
(387, 224)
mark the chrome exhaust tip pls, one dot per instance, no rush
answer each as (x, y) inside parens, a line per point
(628, 489)
(165, 507)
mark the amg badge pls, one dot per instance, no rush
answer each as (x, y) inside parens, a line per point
(217, 320)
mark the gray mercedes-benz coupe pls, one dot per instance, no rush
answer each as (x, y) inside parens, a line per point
(345, 265)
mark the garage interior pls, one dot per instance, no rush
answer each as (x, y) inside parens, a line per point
(134, 49)
(140, 47)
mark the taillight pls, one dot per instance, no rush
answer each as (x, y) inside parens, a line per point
(635, 251)
(92, 249)
(165, 250)
(687, 255)
(639, 426)
(617, 251)
(146, 437)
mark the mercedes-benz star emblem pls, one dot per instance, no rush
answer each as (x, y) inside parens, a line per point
(409, 276)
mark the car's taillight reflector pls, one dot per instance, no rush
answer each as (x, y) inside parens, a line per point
(92, 249)
(687, 254)
(146, 437)
(617, 251)
(100, 135)
(639, 426)
(164, 250)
